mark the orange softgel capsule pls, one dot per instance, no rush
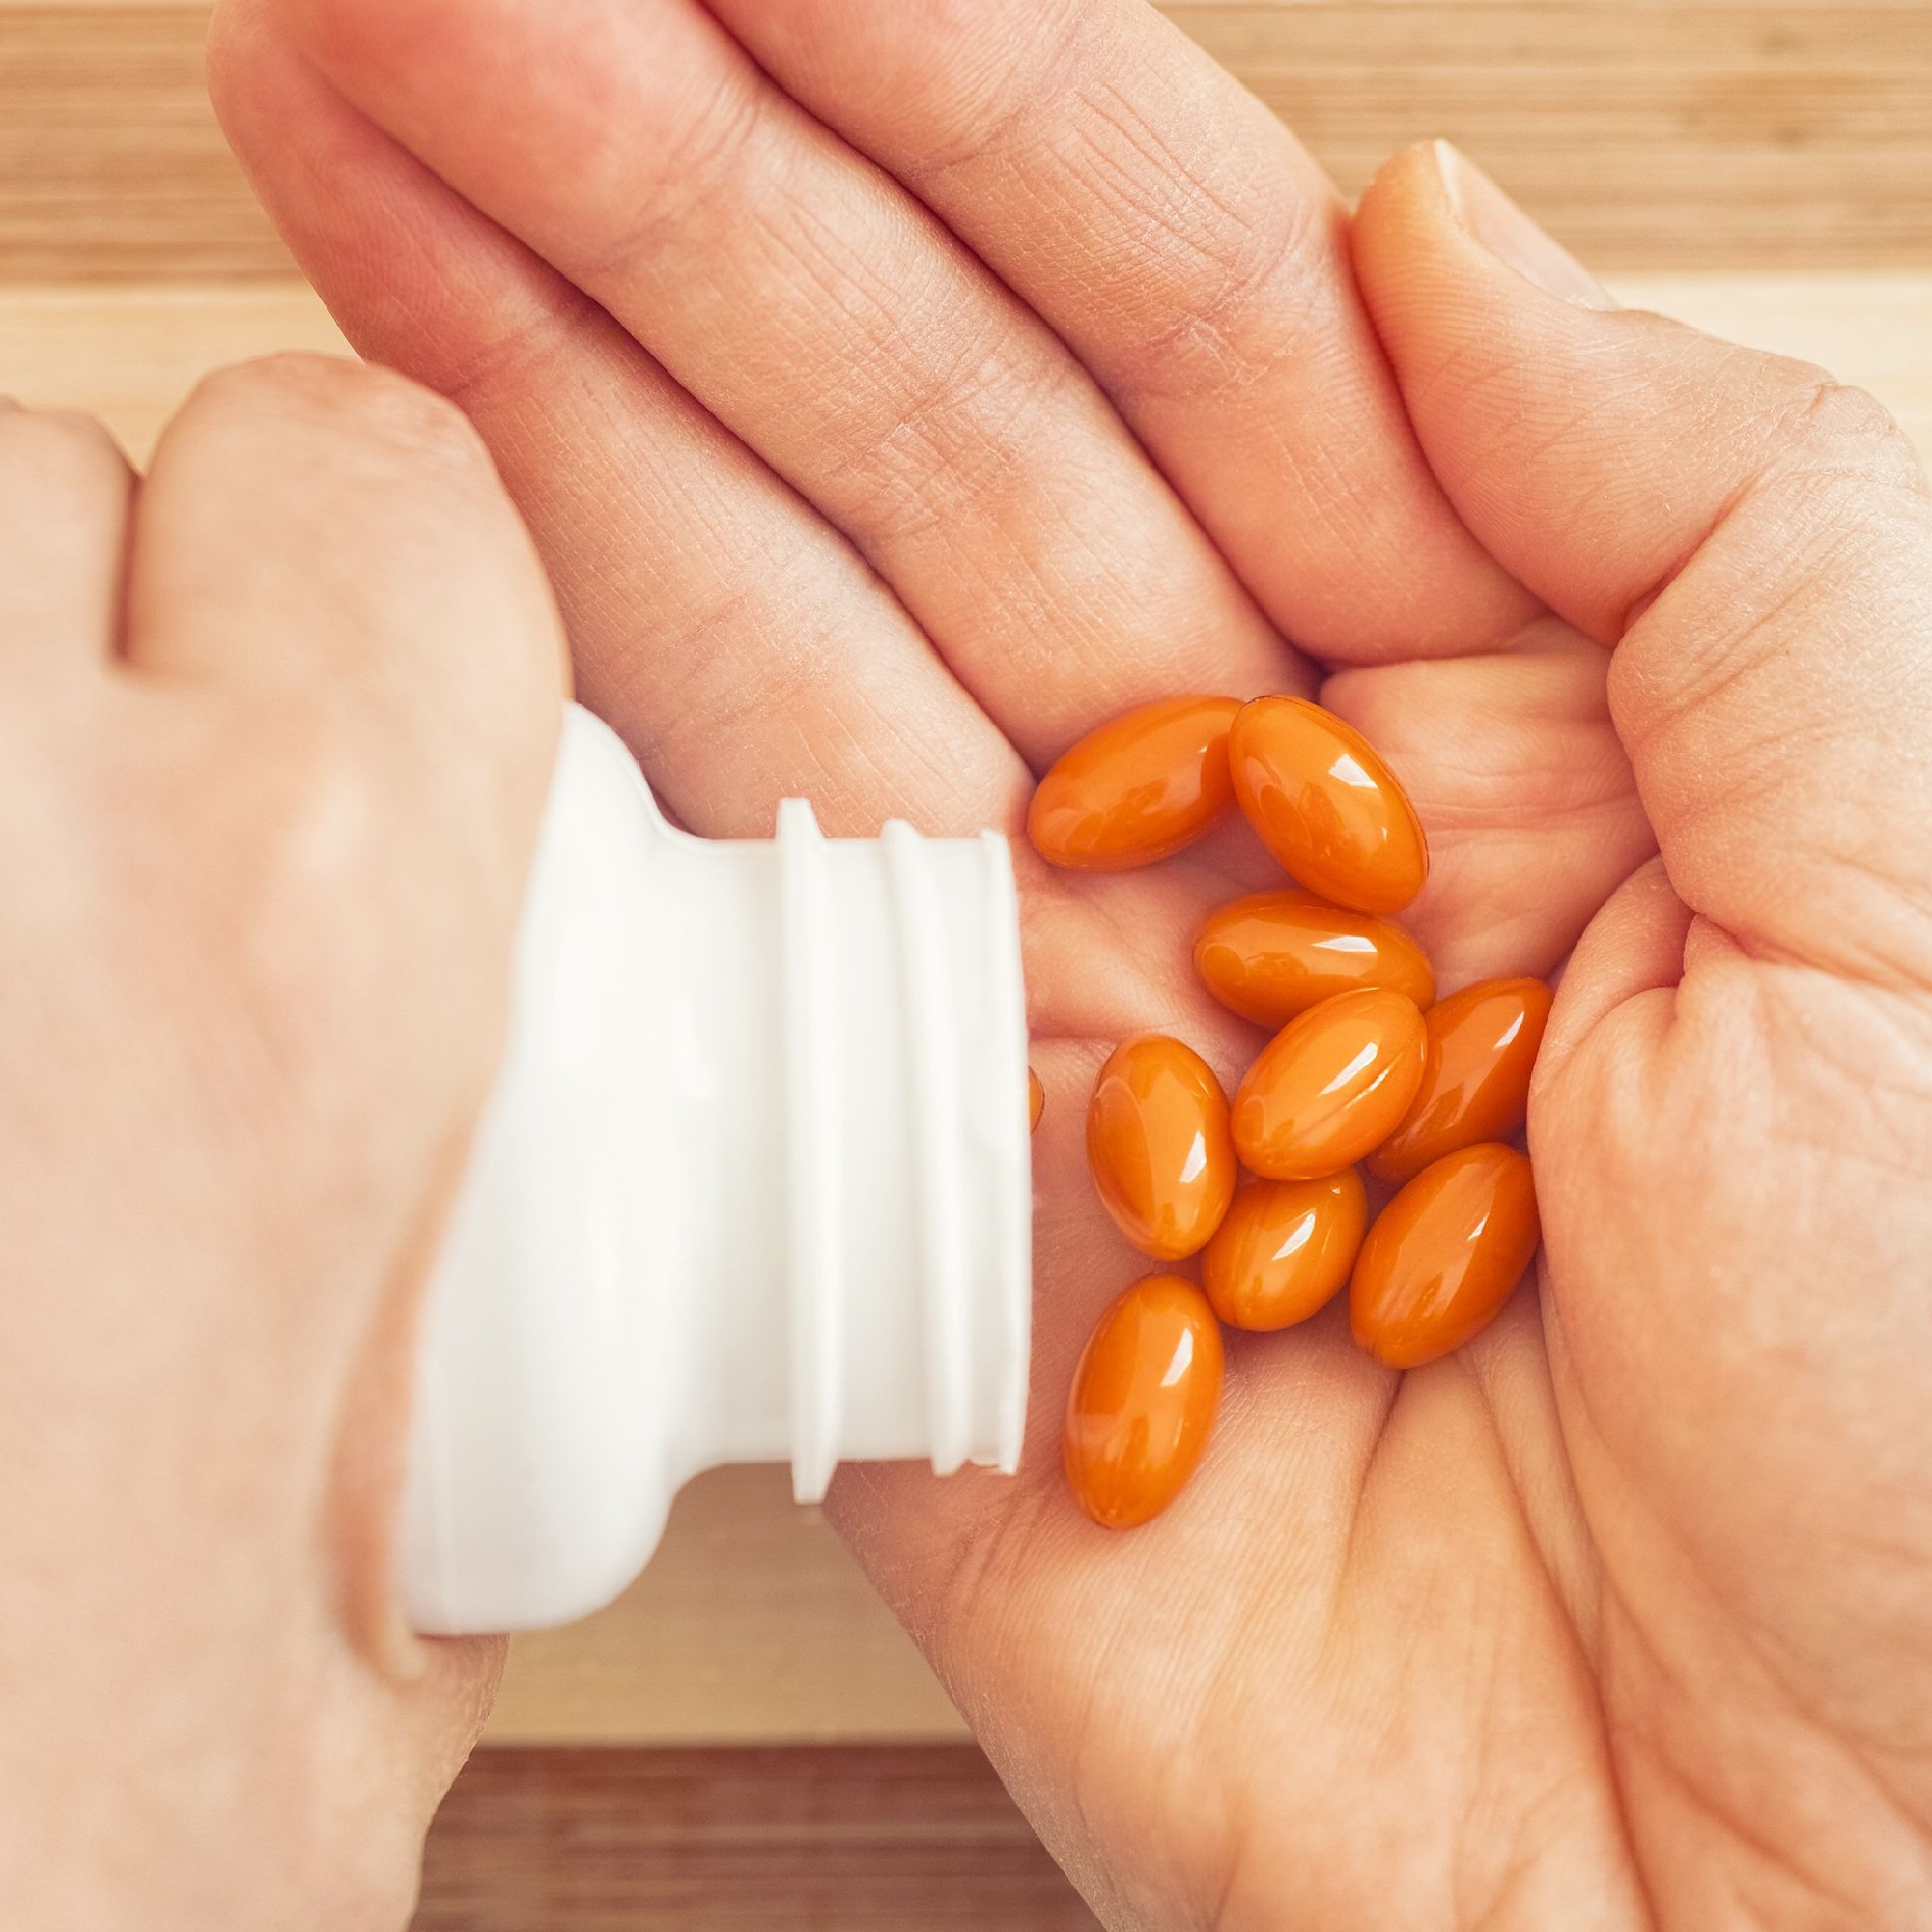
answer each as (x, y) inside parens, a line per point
(1036, 1100)
(1285, 1249)
(1444, 1254)
(1158, 1145)
(1142, 786)
(1143, 1401)
(1325, 805)
(1330, 1086)
(1482, 1045)
(1274, 955)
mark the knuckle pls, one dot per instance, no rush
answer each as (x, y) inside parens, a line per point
(323, 895)
(959, 437)
(999, 103)
(257, 895)
(1245, 290)
(703, 140)
(64, 448)
(290, 377)
(415, 421)
(315, 851)
(1235, 279)
(1834, 429)
(381, 411)
(326, 825)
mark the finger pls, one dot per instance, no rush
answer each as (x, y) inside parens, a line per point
(834, 325)
(319, 531)
(1635, 946)
(446, 1710)
(1756, 539)
(1194, 257)
(349, 679)
(741, 647)
(1528, 800)
(64, 489)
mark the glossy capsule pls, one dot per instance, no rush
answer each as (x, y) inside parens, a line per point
(1482, 1045)
(1330, 1086)
(1142, 786)
(1036, 1100)
(1158, 1146)
(1325, 805)
(1143, 1401)
(1444, 1254)
(1285, 1249)
(1274, 955)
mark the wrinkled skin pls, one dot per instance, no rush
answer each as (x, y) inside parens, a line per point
(897, 388)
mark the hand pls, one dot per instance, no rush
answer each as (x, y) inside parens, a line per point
(894, 409)
(278, 726)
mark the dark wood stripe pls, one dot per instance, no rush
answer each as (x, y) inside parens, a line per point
(1706, 134)
(111, 164)
(851, 1838)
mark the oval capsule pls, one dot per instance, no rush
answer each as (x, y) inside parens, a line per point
(1142, 786)
(1285, 1249)
(1036, 1100)
(1158, 1145)
(1274, 955)
(1445, 1256)
(1325, 805)
(1482, 1046)
(1330, 1086)
(1143, 1401)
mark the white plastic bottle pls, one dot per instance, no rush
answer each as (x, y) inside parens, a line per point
(753, 1186)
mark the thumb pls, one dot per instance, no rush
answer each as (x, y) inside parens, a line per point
(1754, 539)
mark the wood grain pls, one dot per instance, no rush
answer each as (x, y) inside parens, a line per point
(111, 164)
(850, 1839)
(1643, 132)
(1706, 134)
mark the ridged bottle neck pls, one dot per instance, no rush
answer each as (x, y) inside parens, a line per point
(854, 1017)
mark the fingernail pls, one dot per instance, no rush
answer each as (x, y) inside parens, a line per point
(1486, 213)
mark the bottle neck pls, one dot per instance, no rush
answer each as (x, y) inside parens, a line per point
(753, 1186)
(843, 1048)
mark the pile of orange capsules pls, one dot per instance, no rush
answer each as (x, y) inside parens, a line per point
(1365, 1065)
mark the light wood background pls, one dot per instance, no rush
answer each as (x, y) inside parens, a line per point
(1684, 133)
(1764, 170)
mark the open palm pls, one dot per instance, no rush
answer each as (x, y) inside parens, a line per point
(898, 391)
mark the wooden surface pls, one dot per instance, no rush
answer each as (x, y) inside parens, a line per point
(1692, 133)
(751, 1623)
(849, 1840)
(111, 164)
